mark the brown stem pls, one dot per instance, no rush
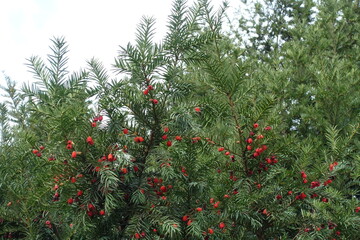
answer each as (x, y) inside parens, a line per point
(238, 128)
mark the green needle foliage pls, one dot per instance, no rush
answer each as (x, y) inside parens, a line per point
(248, 134)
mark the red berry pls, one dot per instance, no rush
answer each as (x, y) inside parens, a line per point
(70, 201)
(185, 218)
(220, 149)
(260, 137)
(197, 109)
(221, 225)
(178, 138)
(199, 209)
(124, 170)
(150, 87)
(93, 124)
(110, 157)
(47, 222)
(125, 131)
(79, 193)
(35, 151)
(101, 212)
(169, 143)
(249, 140)
(163, 189)
(74, 154)
(256, 125)
(89, 140)
(146, 92)
(164, 137)
(137, 236)
(210, 231)
(138, 139)
(42, 147)
(155, 101)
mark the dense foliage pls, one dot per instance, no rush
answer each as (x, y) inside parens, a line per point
(247, 134)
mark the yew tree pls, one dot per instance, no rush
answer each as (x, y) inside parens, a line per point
(201, 136)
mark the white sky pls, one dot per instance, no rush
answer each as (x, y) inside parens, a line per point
(92, 28)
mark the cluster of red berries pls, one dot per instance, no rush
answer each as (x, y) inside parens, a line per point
(332, 165)
(304, 177)
(139, 235)
(148, 89)
(138, 139)
(37, 152)
(95, 120)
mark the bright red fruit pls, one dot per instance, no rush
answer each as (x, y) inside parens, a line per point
(47, 222)
(89, 140)
(146, 92)
(163, 189)
(42, 147)
(256, 125)
(124, 170)
(197, 109)
(138, 139)
(70, 201)
(35, 151)
(137, 236)
(220, 149)
(101, 212)
(93, 124)
(79, 193)
(249, 140)
(164, 137)
(199, 209)
(166, 129)
(74, 154)
(221, 225)
(125, 131)
(155, 101)
(110, 157)
(169, 143)
(73, 180)
(185, 218)
(210, 231)
(260, 137)
(178, 138)
(315, 184)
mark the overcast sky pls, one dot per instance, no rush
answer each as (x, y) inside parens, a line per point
(92, 28)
